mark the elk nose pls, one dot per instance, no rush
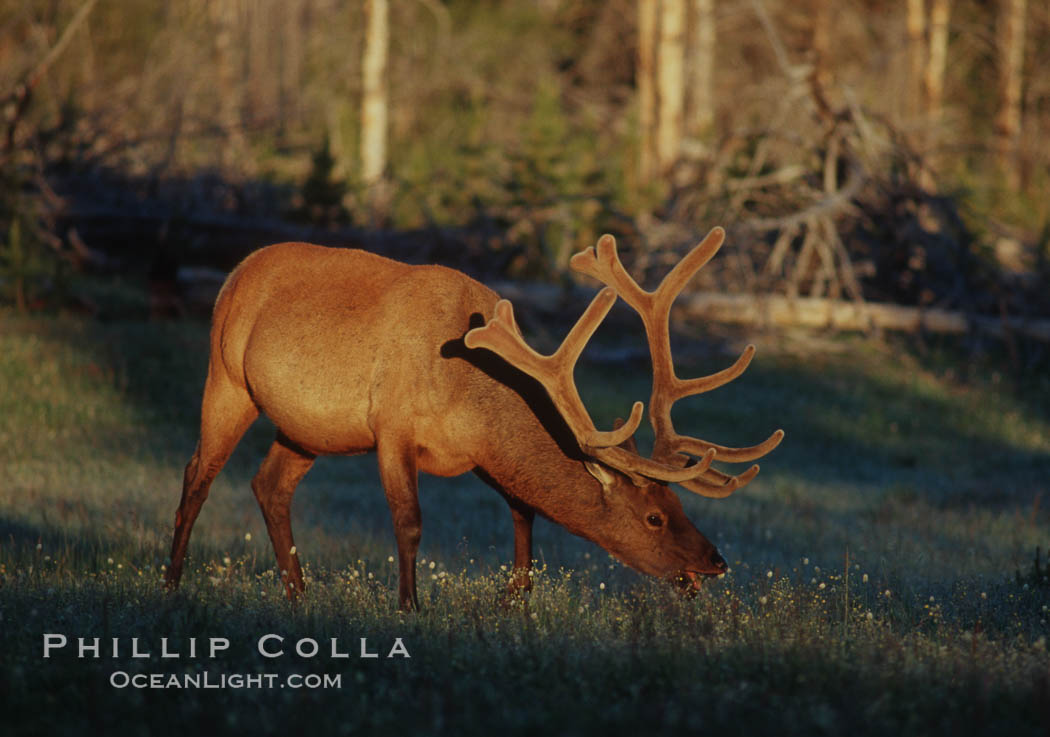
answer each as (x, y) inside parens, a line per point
(719, 562)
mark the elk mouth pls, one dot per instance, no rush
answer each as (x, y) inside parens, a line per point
(690, 581)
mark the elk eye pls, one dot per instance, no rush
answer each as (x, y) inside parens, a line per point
(655, 520)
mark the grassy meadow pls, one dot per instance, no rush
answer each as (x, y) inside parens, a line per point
(883, 578)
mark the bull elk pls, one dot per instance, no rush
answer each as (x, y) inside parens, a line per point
(349, 352)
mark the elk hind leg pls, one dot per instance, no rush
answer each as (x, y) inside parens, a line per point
(226, 412)
(274, 485)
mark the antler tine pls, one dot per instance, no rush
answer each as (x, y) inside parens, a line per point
(684, 270)
(699, 385)
(603, 263)
(502, 336)
(633, 463)
(718, 485)
(695, 446)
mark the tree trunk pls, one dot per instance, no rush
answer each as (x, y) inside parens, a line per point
(820, 41)
(701, 88)
(937, 61)
(670, 80)
(290, 50)
(227, 79)
(1011, 62)
(374, 111)
(916, 30)
(645, 82)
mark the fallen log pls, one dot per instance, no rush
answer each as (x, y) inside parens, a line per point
(774, 310)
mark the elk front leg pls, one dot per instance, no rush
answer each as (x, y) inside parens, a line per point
(523, 516)
(397, 469)
(274, 485)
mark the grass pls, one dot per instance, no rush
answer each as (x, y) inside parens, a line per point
(883, 574)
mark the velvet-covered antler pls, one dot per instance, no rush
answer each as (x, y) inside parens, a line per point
(654, 307)
(555, 372)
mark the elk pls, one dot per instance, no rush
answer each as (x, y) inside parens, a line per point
(348, 352)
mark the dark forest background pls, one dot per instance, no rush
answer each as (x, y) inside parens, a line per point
(869, 151)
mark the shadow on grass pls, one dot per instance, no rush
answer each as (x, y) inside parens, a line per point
(472, 678)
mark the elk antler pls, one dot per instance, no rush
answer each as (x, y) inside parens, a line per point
(502, 336)
(603, 264)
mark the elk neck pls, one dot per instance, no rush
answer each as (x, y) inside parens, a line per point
(527, 450)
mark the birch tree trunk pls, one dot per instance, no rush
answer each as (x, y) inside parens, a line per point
(701, 97)
(1011, 62)
(290, 49)
(670, 80)
(916, 32)
(645, 82)
(937, 61)
(374, 111)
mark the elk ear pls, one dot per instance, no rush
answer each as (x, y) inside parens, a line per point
(604, 475)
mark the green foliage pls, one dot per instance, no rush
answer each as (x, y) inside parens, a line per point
(555, 181)
(322, 194)
(25, 262)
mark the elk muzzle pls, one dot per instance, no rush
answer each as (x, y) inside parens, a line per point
(690, 580)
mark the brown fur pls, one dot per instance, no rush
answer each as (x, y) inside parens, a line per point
(348, 352)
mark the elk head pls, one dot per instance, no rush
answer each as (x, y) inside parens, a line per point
(647, 529)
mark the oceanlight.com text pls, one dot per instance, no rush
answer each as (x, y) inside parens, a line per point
(210, 680)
